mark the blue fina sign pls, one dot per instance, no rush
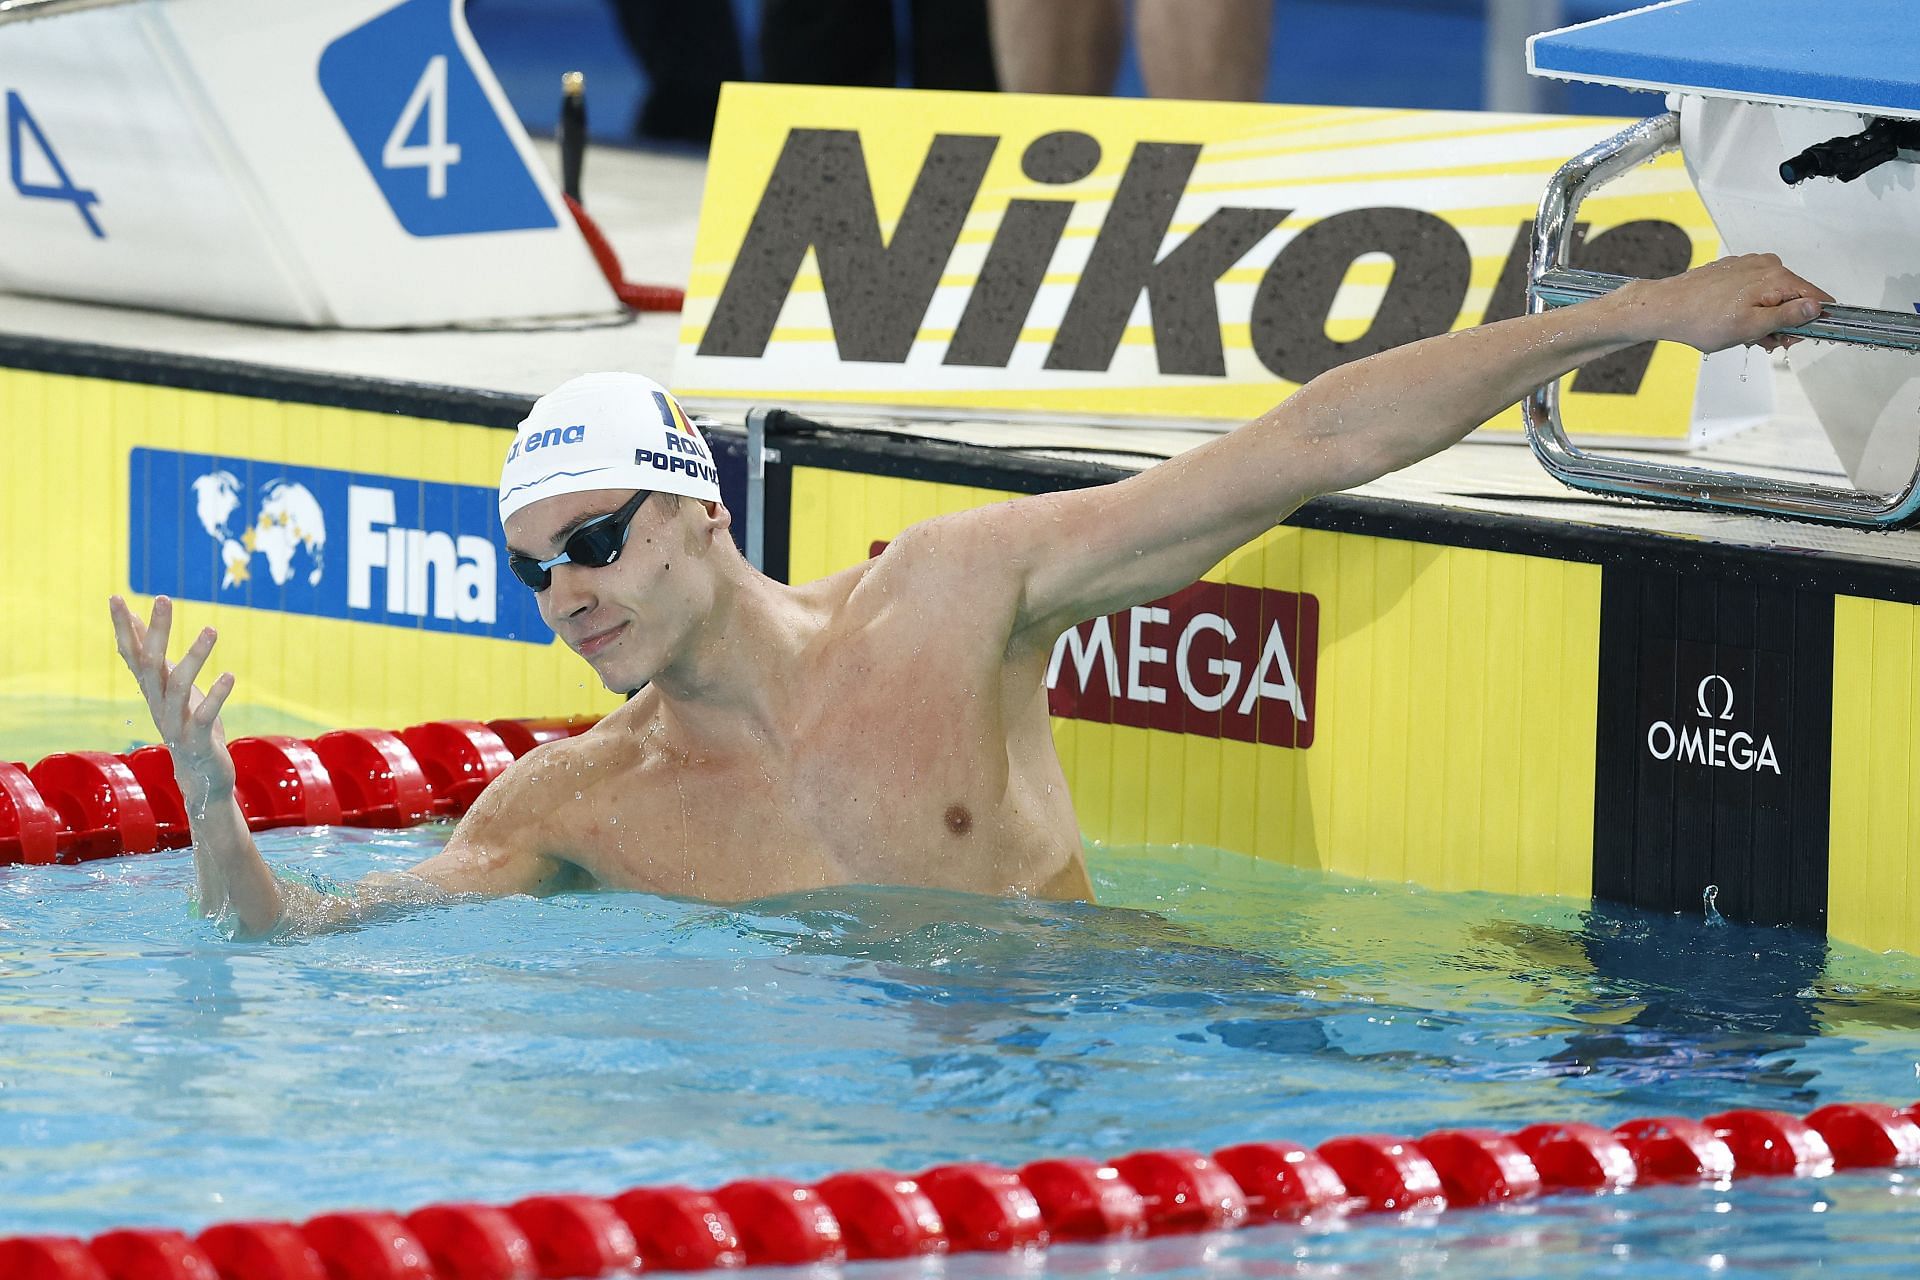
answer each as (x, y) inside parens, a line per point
(413, 106)
(333, 544)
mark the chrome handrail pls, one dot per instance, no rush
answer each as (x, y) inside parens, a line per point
(23, 10)
(1552, 284)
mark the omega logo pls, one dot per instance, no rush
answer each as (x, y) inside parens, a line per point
(1713, 746)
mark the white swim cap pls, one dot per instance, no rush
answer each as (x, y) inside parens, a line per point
(606, 431)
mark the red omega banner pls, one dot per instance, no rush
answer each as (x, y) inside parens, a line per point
(1214, 659)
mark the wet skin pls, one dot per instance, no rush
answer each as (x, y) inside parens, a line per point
(863, 736)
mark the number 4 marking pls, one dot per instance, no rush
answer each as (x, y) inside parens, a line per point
(20, 122)
(436, 155)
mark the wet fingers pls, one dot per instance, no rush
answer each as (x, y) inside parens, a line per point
(125, 638)
(208, 712)
(153, 645)
(180, 679)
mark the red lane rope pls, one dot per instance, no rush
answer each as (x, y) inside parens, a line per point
(79, 805)
(959, 1208)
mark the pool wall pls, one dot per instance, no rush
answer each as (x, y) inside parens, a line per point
(1458, 699)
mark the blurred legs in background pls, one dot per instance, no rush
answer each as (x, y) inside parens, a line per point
(854, 42)
(1197, 49)
(1204, 49)
(1058, 46)
(951, 46)
(687, 50)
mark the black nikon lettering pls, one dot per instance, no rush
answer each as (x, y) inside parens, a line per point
(1179, 286)
(1022, 247)
(821, 198)
(1431, 268)
(1649, 249)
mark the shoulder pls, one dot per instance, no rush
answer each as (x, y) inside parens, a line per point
(526, 793)
(977, 544)
(530, 810)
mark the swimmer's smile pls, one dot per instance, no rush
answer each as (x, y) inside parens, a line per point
(587, 646)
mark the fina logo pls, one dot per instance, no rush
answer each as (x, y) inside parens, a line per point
(461, 571)
(1714, 746)
(289, 521)
(391, 550)
(425, 571)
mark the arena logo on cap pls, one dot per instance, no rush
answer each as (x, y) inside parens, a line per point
(1213, 659)
(547, 439)
(262, 535)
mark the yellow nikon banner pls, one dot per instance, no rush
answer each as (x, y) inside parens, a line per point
(1123, 258)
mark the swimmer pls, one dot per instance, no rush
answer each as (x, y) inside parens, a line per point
(888, 724)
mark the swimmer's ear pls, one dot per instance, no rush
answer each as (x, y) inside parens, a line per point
(718, 513)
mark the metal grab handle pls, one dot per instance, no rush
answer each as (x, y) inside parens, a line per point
(1861, 326)
(23, 10)
(1551, 284)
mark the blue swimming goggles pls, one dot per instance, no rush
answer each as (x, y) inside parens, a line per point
(595, 545)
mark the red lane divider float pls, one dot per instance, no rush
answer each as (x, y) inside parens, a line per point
(153, 770)
(522, 736)
(102, 808)
(282, 782)
(459, 759)
(378, 781)
(963, 1208)
(679, 1229)
(29, 828)
(80, 805)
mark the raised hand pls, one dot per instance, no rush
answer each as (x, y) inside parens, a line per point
(188, 720)
(1733, 301)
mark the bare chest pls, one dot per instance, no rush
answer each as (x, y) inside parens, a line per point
(889, 778)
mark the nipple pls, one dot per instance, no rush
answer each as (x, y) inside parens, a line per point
(959, 821)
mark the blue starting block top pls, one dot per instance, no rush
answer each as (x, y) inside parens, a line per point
(1861, 55)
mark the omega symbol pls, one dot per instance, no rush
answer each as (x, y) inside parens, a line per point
(1700, 699)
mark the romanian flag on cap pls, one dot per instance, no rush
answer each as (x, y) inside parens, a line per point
(671, 411)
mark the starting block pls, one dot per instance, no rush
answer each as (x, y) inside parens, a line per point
(1800, 128)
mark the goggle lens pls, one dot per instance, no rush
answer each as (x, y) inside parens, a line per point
(593, 545)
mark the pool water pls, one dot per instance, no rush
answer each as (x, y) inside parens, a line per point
(153, 1072)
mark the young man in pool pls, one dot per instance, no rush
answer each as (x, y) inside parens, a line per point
(887, 724)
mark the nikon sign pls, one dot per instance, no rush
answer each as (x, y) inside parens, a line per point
(1146, 259)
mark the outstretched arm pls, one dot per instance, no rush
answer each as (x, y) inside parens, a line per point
(489, 853)
(233, 877)
(1155, 532)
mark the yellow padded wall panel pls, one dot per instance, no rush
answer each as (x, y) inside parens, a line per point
(1875, 815)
